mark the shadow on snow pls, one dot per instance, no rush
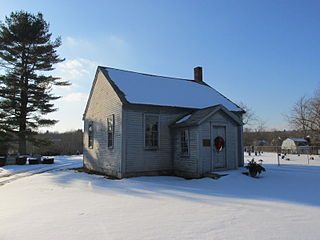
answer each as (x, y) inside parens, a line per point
(286, 183)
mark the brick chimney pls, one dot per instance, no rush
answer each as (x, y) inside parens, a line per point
(198, 74)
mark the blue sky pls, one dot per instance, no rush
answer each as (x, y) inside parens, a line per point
(263, 53)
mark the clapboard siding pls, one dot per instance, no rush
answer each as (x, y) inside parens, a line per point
(240, 149)
(232, 141)
(139, 159)
(103, 102)
(205, 151)
(186, 165)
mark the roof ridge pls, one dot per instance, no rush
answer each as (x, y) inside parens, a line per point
(148, 74)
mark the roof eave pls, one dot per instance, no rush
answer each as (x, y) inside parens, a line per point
(91, 92)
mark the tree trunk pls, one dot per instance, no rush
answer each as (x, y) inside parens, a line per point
(23, 109)
(23, 124)
(22, 144)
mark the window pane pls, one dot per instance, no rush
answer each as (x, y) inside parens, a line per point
(184, 141)
(151, 131)
(110, 129)
(90, 135)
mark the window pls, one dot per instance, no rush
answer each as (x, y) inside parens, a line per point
(184, 140)
(90, 135)
(110, 129)
(151, 126)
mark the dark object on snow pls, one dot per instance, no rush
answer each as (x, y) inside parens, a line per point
(311, 158)
(3, 160)
(34, 160)
(288, 159)
(254, 168)
(48, 160)
(21, 160)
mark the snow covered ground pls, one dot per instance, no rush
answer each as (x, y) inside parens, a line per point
(284, 203)
(12, 172)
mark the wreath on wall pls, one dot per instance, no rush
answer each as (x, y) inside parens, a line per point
(219, 143)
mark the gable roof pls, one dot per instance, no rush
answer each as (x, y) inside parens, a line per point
(140, 88)
(199, 116)
(298, 139)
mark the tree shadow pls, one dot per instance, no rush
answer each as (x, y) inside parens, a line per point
(286, 183)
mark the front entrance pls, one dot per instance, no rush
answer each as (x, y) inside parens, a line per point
(218, 147)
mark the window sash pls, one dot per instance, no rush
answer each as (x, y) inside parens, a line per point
(151, 128)
(90, 135)
(110, 131)
(184, 142)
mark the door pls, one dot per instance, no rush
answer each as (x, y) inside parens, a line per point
(218, 147)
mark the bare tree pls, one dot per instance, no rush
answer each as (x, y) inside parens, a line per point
(305, 114)
(249, 118)
(314, 113)
(261, 126)
(298, 116)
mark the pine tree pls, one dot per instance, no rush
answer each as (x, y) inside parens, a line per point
(27, 53)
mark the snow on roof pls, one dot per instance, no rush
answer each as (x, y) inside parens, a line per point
(298, 139)
(156, 90)
(185, 118)
(199, 115)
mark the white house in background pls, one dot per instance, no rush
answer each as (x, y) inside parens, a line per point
(140, 124)
(295, 145)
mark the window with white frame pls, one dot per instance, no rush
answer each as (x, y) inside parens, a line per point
(90, 135)
(151, 127)
(184, 142)
(110, 130)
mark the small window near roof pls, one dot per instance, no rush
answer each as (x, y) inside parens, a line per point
(110, 129)
(151, 126)
(184, 140)
(90, 135)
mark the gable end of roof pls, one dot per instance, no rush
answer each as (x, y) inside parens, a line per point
(222, 108)
(120, 94)
(199, 116)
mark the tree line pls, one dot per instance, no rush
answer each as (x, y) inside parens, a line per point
(66, 143)
(303, 119)
(273, 138)
(48, 144)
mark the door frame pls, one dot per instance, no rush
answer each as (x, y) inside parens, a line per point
(213, 124)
